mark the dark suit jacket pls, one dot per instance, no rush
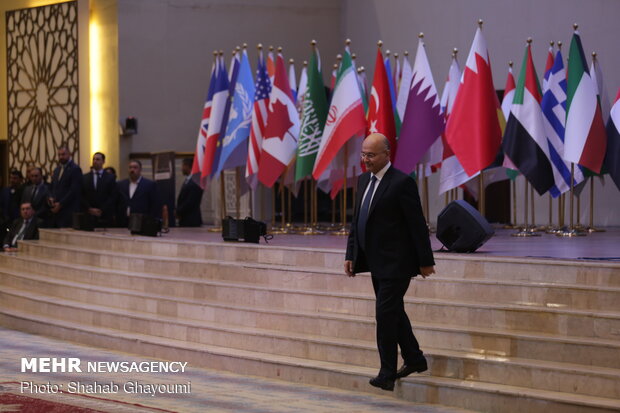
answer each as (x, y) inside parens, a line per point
(188, 205)
(397, 240)
(103, 198)
(144, 201)
(39, 202)
(32, 231)
(67, 190)
(9, 203)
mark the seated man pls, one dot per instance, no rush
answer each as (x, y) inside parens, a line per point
(137, 195)
(25, 227)
(99, 192)
(188, 202)
(38, 193)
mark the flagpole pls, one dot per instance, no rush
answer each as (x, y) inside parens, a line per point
(343, 229)
(571, 231)
(238, 192)
(222, 204)
(527, 230)
(481, 197)
(591, 228)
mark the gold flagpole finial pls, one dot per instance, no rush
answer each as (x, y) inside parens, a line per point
(480, 23)
(593, 55)
(291, 61)
(406, 53)
(280, 49)
(455, 51)
(245, 45)
(379, 43)
(338, 57)
(559, 45)
(221, 53)
(551, 43)
(510, 64)
(270, 48)
(215, 53)
(347, 42)
(575, 26)
(305, 63)
(395, 56)
(259, 46)
(421, 35)
(387, 53)
(353, 56)
(529, 40)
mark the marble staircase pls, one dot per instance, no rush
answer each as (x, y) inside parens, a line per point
(500, 334)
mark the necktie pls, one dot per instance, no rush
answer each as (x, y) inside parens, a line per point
(97, 177)
(20, 234)
(34, 193)
(62, 170)
(363, 216)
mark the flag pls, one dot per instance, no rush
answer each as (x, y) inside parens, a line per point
(303, 87)
(234, 146)
(554, 120)
(345, 117)
(380, 112)
(201, 142)
(473, 130)
(392, 85)
(585, 139)
(271, 64)
(314, 113)
(525, 142)
(403, 88)
(452, 174)
(220, 98)
(281, 131)
(548, 66)
(509, 93)
(423, 123)
(601, 90)
(612, 157)
(259, 120)
(397, 75)
(292, 80)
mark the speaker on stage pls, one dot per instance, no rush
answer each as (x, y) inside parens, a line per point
(84, 222)
(142, 224)
(461, 228)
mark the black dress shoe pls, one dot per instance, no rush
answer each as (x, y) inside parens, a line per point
(382, 383)
(407, 369)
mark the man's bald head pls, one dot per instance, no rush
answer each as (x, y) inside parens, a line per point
(375, 152)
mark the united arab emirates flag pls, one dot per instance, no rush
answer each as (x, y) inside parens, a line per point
(313, 115)
(525, 142)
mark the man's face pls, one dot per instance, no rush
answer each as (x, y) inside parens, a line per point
(14, 181)
(98, 162)
(63, 156)
(26, 210)
(134, 170)
(374, 154)
(186, 169)
(35, 176)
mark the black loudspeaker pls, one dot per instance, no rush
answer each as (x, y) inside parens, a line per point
(84, 222)
(461, 228)
(142, 224)
(246, 230)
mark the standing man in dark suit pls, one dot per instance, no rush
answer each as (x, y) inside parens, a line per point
(66, 189)
(10, 197)
(24, 227)
(137, 195)
(99, 192)
(38, 194)
(188, 202)
(389, 237)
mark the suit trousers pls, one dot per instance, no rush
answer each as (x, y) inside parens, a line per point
(393, 326)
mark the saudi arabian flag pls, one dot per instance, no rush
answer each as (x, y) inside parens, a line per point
(313, 115)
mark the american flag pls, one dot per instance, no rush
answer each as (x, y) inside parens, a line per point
(259, 120)
(204, 126)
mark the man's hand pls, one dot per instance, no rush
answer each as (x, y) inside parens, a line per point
(427, 271)
(94, 211)
(10, 249)
(348, 268)
(56, 207)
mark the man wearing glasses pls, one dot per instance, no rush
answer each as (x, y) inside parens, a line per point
(389, 237)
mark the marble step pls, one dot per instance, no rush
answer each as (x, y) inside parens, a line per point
(448, 265)
(602, 382)
(507, 292)
(480, 342)
(478, 396)
(564, 322)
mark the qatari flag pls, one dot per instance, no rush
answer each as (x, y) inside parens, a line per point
(423, 122)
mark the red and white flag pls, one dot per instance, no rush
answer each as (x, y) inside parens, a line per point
(380, 110)
(281, 131)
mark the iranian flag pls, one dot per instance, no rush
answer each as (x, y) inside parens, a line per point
(525, 141)
(281, 131)
(585, 140)
(314, 112)
(612, 158)
(345, 117)
(473, 129)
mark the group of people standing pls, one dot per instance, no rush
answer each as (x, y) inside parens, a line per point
(25, 207)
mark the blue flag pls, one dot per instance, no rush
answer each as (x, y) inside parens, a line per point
(234, 144)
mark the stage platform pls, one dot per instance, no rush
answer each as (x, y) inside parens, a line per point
(523, 324)
(595, 246)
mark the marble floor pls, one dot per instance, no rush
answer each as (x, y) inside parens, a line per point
(211, 391)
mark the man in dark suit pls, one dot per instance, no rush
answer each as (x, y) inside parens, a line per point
(10, 198)
(99, 192)
(137, 195)
(389, 237)
(24, 227)
(66, 189)
(188, 202)
(38, 194)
